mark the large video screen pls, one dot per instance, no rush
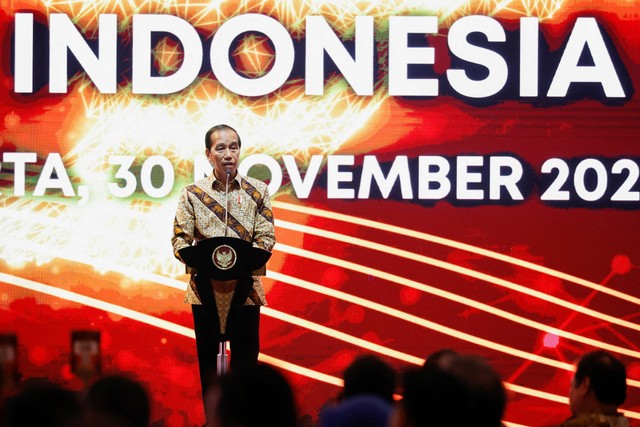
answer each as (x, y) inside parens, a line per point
(452, 174)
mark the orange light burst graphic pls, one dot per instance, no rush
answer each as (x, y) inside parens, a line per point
(254, 56)
(167, 56)
(292, 13)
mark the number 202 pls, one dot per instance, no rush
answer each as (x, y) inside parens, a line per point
(623, 194)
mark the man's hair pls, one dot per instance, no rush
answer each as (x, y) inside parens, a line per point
(607, 376)
(440, 357)
(467, 392)
(217, 128)
(41, 403)
(256, 396)
(119, 398)
(368, 374)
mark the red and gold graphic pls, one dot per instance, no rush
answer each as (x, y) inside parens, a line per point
(493, 222)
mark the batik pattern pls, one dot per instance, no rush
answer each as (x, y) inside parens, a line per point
(201, 214)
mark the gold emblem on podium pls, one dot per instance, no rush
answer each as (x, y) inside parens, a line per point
(224, 257)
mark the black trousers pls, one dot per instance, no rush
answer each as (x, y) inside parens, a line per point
(243, 336)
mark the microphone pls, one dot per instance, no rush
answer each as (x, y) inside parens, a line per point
(226, 197)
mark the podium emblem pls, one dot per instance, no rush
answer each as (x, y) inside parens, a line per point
(224, 257)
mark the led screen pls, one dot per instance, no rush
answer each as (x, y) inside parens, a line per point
(454, 174)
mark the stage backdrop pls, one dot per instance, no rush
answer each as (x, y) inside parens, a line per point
(451, 174)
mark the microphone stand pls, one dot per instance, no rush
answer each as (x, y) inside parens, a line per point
(226, 200)
(223, 358)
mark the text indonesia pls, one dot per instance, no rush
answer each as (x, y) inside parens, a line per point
(356, 62)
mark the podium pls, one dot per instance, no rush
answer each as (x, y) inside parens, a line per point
(225, 259)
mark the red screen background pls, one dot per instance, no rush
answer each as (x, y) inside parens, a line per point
(528, 285)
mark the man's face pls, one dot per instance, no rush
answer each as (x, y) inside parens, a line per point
(224, 153)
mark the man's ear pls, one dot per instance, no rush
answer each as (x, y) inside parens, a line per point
(584, 387)
(206, 154)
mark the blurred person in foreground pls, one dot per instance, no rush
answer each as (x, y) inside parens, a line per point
(464, 392)
(440, 357)
(598, 388)
(367, 397)
(258, 396)
(369, 374)
(43, 403)
(116, 401)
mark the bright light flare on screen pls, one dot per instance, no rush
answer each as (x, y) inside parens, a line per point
(135, 230)
(551, 340)
(172, 126)
(292, 13)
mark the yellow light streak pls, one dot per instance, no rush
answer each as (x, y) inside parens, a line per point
(437, 327)
(128, 272)
(137, 274)
(459, 298)
(96, 303)
(189, 333)
(300, 370)
(176, 284)
(453, 244)
(148, 320)
(312, 326)
(537, 393)
(398, 314)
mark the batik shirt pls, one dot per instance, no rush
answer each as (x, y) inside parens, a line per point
(597, 419)
(201, 214)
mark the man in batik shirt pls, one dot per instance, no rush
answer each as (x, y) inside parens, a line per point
(598, 388)
(213, 207)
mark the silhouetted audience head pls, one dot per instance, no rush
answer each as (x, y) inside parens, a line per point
(117, 400)
(599, 383)
(440, 358)
(257, 396)
(364, 410)
(43, 404)
(369, 374)
(367, 396)
(466, 392)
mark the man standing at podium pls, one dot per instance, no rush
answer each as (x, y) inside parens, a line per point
(224, 204)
